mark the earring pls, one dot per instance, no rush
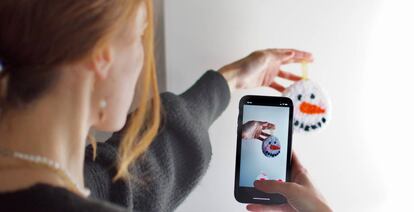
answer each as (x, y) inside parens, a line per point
(102, 105)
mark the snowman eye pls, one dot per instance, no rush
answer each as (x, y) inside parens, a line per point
(312, 96)
(299, 97)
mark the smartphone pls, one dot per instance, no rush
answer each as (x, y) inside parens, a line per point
(264, 143)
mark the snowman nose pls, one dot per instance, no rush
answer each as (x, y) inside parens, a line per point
(308, 108)
(274, 147)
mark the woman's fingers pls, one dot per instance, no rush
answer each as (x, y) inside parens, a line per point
(299, 173)
(258, 134)
(263, 125)
(288, 76)
(295, 161)
(300, 193)
(300, 57)
(265, 134)
(292, 55)
(287, 189)
(277, 87)
(272, 208)
(280, 55)
(268, 125)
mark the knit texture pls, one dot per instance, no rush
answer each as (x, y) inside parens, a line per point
(163, 176)
(312, 107)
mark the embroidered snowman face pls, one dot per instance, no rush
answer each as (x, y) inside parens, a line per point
(311, 106)
(271, 146)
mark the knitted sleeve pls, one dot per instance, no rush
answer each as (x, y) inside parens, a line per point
(177, 158)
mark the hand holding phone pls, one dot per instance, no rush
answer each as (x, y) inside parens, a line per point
(300, 193)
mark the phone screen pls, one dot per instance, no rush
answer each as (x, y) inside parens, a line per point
(263, 146)
(264, 155)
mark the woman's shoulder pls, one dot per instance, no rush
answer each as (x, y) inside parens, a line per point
(43, 197)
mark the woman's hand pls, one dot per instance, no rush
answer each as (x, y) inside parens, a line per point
(260, 68)
(301, 195)
(254, 130)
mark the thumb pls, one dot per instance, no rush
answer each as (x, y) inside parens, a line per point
(295, 194)
(287, 189)
(287, 56)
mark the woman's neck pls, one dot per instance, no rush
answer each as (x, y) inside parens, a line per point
(54, 127)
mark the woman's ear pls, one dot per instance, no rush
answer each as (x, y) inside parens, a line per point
(100, 62)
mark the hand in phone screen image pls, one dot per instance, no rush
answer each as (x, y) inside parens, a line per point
(256, 130)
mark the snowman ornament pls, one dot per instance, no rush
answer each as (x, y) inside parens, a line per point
(271, 146)
(311, 105)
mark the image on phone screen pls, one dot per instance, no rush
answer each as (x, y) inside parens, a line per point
(264, 157)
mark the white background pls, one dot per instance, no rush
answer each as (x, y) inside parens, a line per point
(364, 58)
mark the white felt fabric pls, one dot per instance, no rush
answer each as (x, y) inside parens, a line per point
(312, 107)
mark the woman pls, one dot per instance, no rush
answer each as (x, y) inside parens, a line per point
(71, 66)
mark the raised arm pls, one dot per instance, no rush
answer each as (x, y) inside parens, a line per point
(181, 152)
(175, 160)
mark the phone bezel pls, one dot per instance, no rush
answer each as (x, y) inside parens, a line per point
(252, 195)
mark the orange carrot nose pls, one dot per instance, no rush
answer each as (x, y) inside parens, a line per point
(273, 147)
(308, 108)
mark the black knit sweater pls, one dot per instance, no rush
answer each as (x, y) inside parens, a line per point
(164, 175)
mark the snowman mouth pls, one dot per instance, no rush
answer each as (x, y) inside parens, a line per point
(309, 127)
(272, 154)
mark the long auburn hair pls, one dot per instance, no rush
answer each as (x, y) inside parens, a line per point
(37, 37)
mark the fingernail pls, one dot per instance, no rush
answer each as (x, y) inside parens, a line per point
(290, 53)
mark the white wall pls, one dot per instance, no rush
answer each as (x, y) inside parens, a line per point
(204, 34)
(388, 104)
